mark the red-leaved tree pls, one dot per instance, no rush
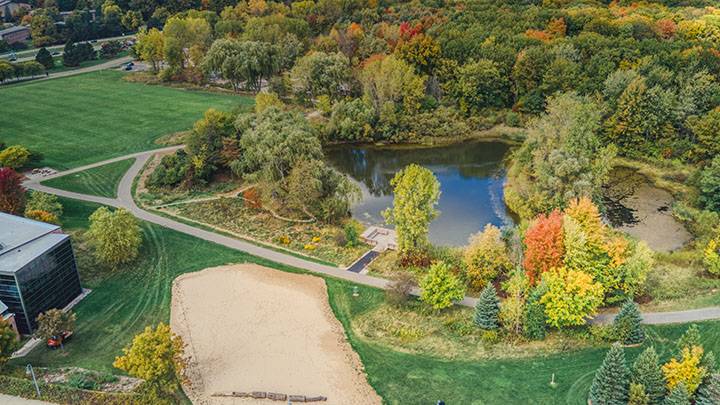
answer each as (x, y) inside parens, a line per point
(12, 193)
(544, 247)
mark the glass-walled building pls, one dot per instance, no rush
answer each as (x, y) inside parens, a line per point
(37, 269)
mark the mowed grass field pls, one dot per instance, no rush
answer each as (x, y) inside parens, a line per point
(95, 116)
(123, 303)
(101, 181)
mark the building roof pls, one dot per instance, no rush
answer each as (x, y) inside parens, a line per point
(16, 28)
(22, 240)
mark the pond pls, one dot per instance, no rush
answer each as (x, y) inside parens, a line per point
(471, 176)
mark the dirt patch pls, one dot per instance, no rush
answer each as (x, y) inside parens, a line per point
(250, 328)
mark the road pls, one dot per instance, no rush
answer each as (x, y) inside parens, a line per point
(125, 200)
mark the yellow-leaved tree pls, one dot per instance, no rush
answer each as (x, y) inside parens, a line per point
(114, 235)
(571, 297)
(688, 370)
(158, 357)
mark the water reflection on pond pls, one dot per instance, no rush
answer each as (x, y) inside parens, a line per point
(471, 175)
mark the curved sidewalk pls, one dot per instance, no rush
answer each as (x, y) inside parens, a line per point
(125, 200)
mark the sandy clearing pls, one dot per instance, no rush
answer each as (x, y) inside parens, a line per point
(250, 328)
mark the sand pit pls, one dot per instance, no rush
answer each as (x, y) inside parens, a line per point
(250, 328)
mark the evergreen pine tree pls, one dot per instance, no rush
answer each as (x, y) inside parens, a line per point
(44, 58)
(647, 372)
(487, 308)
(678, 396)
(70, 55)
(637, 395)
(709, 391)
(611, 383)
(690, 338)
(709, 362)
(628, 324)
(535, 319)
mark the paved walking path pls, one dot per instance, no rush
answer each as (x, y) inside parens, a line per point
(102, 66)
(12, 400)
(125, 200)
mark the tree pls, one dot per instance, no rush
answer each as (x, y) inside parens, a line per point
(40, 201)
(320, 73)
(486, 256)
(479, 84)
(487, 308)
(705, 129)
(115, 236)
(242, 62)
(710, 185)
(689, 339)
(611, 383)
(678, 396)
(12, 192)
(709, 391)
(14, 157)
(627, 323)
(71, 55)
(150, 47)
(416, 192)
(44, 58)
(8, 341)
(191, 33)
(535, 326)
(513, 309)
(156, 356)
(204, 143)
(351, 120)
(54, 322)
(647, 372)
(711, 256)
(440, 287)
(637, 395)
(561, 159)
(110, 49)
(390, 83)
(687, 372)
(132, 20)
(544, 245)
(642, 118)
(264, 100)
(571, 297)
(42, 28)
(420, 51)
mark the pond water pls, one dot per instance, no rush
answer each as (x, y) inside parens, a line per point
(471, 176)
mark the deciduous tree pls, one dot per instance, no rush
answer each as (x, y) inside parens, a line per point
(571, 297)
(687, 371)
(150, 47)
(115, 236)
(320, 73)
(544, 245)
(440, 287)
(12, 192)
(54, 322)
(710, 185)
(8, 341)
(486, 257)
(156, 356)
(416, 194)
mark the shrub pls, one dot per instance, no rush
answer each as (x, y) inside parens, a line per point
(637, 395)
(486, 257)
(14, 157)
(171, 171)
(42, 216)
(264, 100)
(40, 201)
(440, 287)
(399, 290)
(8, 341)
(351, 233)
(12, 192)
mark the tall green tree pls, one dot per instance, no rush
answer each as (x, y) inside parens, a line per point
(44, 58)
(115, 236)
(646, 371)
(416, 192)
(479, 84)
(678, 396)
(710, 185)
(612, 381)
(709, 391)
(487, 308)
(628, 324)
(320, 73)
(242, 62)
(561, 159)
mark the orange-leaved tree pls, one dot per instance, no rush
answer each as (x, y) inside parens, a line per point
(544, 246)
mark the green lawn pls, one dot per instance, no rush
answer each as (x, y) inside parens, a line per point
(123, 304)
(101, 181)
(95, 116)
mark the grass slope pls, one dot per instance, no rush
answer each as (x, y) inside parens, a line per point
(124, 303)
(101, 181)
(95, 116)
